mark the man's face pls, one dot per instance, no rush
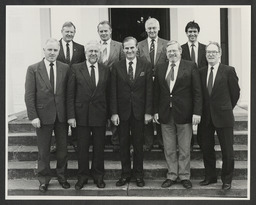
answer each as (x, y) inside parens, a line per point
(130, 49)
(92, 53)
(192, 34)
(68, 33)
(212, 54)
(173, 53)
(51, 51)
(152, 30)
(104, 32)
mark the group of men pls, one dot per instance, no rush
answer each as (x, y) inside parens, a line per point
(132, 84)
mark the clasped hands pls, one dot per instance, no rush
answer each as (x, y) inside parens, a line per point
(116, 121)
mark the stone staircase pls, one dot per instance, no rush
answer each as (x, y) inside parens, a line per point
(22, 163)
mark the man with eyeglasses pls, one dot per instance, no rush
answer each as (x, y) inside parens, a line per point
(220, 94)
(194, 51)
(177, 104)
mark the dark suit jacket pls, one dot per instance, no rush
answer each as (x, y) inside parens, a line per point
(186, 93)
(115, 55)
(127, 97)
(39, 97)
(87, 105)
(201, 54)
(78, 54)
(225, 94)
(160, 58)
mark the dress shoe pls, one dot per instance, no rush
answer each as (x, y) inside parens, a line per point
(168, 183)
(80, 184)
(226, 186)
(122, 181)
(140, 182)
(207, 182)
(100, 183)
(43, 188)
(65, 184)
(186, 183)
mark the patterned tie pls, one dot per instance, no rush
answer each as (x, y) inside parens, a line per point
(193, 56)
(68, 54)
(170, 76)
(210, 81)
(152, 51)
(104, 52)
(93, 76)
(52, 76)
(130, 71)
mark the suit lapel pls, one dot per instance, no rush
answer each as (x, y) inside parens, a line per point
(61, 54)
(85, 72)
(217, 78)
(59, 72)
(180, 74)
(43, 73)
(74, 52)
(138, 70)
(145, 50)
(163, 74)
(200, 52)
(186, 52)
(111, 51)
(159, 49)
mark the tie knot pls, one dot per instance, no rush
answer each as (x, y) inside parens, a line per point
(192, 45)
(67, 44)
(51, 64)
(92, 66)
(130, 63)
(152, 40)
(172, 65)
(105, 43)
(212, 68)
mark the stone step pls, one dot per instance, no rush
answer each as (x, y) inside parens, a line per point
(30, 139)
(153, 169)
(30, 153)
(152, 189)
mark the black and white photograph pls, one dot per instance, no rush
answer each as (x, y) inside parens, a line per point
(128, 102)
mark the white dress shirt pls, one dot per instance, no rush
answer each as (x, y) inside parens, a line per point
(48, 67)
(196, 47)
(64, 45)
(96, 71)
(214, 71)
(133, 66)
(176, 69)
(103, 46)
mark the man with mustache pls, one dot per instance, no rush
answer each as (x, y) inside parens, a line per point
(177, 104)
(87, 103)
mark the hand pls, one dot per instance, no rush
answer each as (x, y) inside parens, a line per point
(36, 123)
(72, 122)
(115, 119)
(156, 118)
(148, 118)
(196, 119)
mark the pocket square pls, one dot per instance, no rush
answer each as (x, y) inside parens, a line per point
(142, 73)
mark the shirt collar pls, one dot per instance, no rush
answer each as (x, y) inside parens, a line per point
(47, 63)
(176, 64)
(195, 43)
(149, 40)
(134, 61)
(216, 66)
(108, 41)
(89, 64)
(64, 42)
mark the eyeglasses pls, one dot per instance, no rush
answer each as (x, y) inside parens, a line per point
(212, 52)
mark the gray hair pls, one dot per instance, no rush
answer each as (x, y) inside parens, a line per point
(51, 40)
(172, 42)
(92, 43)
(216, 44)
(152, 20)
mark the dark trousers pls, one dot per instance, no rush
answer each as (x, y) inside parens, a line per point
(135, 127)
(83, 139)
(150, 138)
(44, 135)
(225, 136)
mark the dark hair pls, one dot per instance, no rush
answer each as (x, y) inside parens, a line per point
(68, 24)
(104, 22)
(128, 39)
(192, 24)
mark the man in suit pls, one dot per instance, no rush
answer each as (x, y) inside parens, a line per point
(194, 51)
(87, 111)
(45, 97)
(153, 49)
(177, 104)
(131, 107)
(111, 52)
(70, 53)
(220, 95)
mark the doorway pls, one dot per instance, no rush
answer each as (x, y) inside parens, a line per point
(131, 22)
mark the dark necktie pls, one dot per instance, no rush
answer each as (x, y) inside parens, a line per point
(130, 71)
(93, 76)
(152, 51)
(52, 76)
(210, 81)
(193, 56)
(170, 76)
(68, 54)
